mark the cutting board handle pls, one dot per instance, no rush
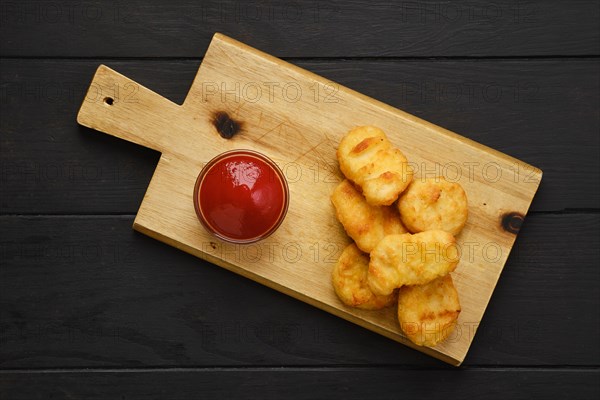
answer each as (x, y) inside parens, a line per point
(116, 105)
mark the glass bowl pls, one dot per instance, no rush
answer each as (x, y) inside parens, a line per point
(241, 196)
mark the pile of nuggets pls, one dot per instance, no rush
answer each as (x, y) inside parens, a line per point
(404, 231)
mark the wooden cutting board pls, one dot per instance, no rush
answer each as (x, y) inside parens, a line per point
(297, 118)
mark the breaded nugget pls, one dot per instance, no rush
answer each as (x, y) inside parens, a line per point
(434, 203)
(407, 259)
(428, 313)
(350, 281)
(364, 223)
(368, 159)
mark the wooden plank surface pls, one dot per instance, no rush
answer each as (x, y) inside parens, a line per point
(304, 28)
(548, 291)
(301, 132)
(76, 292)
(277, 383)
(55, 166)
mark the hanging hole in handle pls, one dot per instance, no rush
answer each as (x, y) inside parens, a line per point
(109, 101)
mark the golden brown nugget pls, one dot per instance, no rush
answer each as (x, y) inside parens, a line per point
(368, 159)
(364, 223)
(407, 259)
(428, 313)
(434, 203)
(350, 281)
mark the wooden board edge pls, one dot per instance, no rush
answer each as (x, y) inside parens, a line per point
(80, 112)
(297, 295)
(98, 114)
(510, 249)
(381, 105)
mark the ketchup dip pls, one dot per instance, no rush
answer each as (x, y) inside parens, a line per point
(241, 196)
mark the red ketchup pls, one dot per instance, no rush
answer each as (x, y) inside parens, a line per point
(241, 196)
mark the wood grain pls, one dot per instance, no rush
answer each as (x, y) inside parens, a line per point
(51, 165)
(61, 309)
(276, 383)
(300, 132)
(304, 28)
(87, 291)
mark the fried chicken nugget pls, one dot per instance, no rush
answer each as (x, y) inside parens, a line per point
(367, 158)
(349, 278)
(364, 223)
(428, 313)
(407, 259)
(434, 203)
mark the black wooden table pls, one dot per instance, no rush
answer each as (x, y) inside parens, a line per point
(92, 309)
